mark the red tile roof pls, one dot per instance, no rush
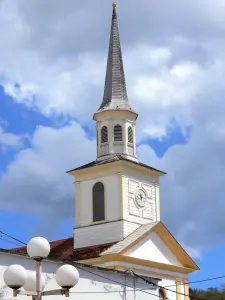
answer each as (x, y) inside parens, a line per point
(64, 250)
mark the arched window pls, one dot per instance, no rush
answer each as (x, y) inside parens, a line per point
(117, 133)
(162, 294)
(98, 202)
(130, 135)
(104, 134)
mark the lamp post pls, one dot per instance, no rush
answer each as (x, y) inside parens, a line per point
(15, 276)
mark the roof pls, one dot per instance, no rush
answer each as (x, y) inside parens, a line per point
(140, 231)
(64, 246)
(163, 233)
(115, 91)
(64, 250)
(112, 160)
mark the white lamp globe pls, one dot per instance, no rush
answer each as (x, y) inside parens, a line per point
(38, 247)
(30, 284)
(67, 276)
(15, 276)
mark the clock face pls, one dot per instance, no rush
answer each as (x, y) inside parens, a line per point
(140, 198)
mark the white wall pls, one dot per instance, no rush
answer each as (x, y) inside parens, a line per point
(103, 233)
(119, 205)
(98, 234)
(131, 212)
(88, 233)
(84, 206)
(123, 119)
(98, 281)
(152, 248)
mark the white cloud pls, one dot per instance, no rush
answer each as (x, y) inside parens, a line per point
(52, 57)
(9, 140)
(36, 181)
(61, 63)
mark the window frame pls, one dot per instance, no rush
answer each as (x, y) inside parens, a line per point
(104, 130)
(118, 126)
(130, 132)
(95, 202)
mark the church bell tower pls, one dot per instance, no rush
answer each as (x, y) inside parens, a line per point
(115, 119)
(115, 194)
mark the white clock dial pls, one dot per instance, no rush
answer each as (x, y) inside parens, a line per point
(140, 198)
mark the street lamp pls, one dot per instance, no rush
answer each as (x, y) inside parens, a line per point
(16, 277)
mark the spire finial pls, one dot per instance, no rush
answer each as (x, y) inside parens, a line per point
(115, 92)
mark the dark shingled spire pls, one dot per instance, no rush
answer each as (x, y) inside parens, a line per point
(115, 93)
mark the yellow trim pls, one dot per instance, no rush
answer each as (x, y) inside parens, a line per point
(145, 263)
(115, 114)
(178, 288)
(92, 261)
(137, 270)
(157, 200)
(120, 195)
(174, 246)
(77, 203)
(135, 242)
(99, 261)
(97, 172)
(127, 167)
(167, 238)
(186, 290)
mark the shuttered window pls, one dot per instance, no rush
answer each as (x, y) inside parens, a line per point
(104, 134)
(118, 133)
(98, 202)
(130, 135)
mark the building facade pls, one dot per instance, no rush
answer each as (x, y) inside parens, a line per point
(118, 234)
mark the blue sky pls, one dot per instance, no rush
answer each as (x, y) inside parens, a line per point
(21, 120)
(51, 83)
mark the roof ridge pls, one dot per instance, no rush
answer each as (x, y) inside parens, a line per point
(137, 233)
(53, 241)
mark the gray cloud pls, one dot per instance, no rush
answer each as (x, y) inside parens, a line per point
(38, 176)
(175, 64)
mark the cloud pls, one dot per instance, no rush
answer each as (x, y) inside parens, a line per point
(62, 57)
(192, 193)
(52, 59)
(37, 174)
(9, 140)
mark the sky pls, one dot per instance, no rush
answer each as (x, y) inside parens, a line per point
(52, 67)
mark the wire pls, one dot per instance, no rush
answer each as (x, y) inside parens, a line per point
(198, 281)
(144, 279)
(11, 237)
(191, 282)
(7, 241)
(109, 292)
(148, 281)
(140, 290)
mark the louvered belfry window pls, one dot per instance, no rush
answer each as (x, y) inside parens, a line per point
(104, 134)
(130, 135)
(118, 133)
(98, 202)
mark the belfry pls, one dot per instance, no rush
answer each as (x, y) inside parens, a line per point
(118, 229)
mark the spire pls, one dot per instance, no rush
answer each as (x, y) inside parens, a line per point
(115, 93)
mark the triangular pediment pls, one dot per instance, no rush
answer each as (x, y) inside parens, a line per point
(152, 248)
(152, 243)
